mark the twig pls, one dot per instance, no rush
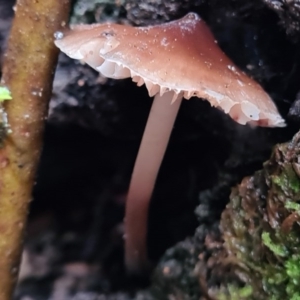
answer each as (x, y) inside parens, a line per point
(27, 72)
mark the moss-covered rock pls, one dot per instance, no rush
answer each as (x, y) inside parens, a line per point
(261, 233)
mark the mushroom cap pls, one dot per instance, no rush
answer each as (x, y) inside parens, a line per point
(180, 56)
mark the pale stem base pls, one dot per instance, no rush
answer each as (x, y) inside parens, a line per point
(151, 152)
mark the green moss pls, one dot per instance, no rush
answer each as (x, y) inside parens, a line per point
(4, 94)
(288, 179)
(4, 125)
(277, 249)
(292, 206)
(284, 282)
(236, 293)
(262, 233)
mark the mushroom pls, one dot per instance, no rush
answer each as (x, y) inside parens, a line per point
(176, 60)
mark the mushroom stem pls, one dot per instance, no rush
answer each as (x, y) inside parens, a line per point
(151, 152)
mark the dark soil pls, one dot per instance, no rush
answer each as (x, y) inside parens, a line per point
(74, 246)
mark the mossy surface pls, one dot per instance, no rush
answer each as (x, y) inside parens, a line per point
(260, 227)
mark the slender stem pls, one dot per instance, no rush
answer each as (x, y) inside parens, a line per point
(28, 69)
(152, 149)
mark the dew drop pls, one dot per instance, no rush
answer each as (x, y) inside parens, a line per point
(58, 35)
(192, 16)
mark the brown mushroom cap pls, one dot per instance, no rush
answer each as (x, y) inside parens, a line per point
(181, 56)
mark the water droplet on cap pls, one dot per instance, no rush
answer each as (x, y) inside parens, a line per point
(58, 35)
(192, 16)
